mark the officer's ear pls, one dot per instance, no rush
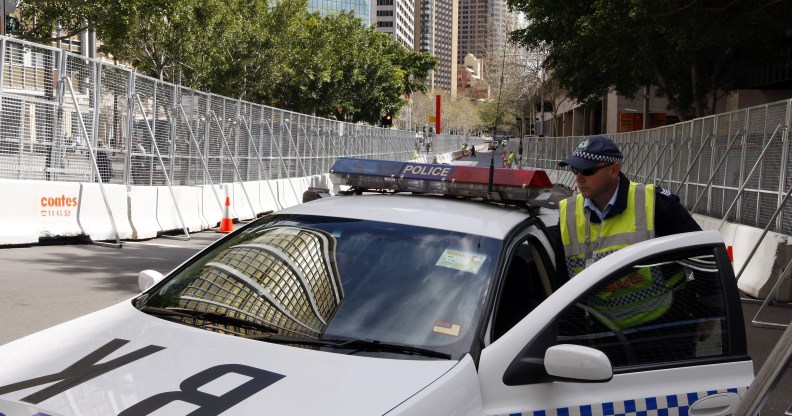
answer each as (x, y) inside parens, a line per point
(615, 169)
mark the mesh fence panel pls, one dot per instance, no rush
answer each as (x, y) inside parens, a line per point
(785, 217)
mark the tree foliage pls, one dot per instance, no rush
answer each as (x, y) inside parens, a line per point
(272, 52)
(693, 50)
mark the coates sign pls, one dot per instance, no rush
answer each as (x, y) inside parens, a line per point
(57, 206)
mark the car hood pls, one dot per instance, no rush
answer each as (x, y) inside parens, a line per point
(122, 361)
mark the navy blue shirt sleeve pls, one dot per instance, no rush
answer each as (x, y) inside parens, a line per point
(671, 217)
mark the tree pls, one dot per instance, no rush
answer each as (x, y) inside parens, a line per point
(496, 116)
(694, 51)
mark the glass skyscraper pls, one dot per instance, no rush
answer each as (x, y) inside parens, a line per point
(361, 8)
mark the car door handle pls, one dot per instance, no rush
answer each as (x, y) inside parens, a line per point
(720, 404)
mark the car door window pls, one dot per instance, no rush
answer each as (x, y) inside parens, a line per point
(661, 310)
(526, 284)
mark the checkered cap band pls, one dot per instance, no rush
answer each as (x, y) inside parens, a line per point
(598, 158)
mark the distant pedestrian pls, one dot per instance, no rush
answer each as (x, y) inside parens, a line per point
(473, 151)
(510, 160)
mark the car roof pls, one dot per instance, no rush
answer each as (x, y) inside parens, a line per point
(460, 215)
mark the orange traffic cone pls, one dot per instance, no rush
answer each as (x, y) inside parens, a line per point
(226, 224)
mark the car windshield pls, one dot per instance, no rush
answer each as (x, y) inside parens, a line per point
(339, 279)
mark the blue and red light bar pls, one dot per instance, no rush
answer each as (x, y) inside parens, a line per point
(507, 184)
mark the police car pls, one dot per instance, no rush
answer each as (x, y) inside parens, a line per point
(426, 290)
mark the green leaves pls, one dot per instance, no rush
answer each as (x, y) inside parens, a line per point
(693, 51)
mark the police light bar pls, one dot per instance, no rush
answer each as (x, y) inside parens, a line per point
(507, 184)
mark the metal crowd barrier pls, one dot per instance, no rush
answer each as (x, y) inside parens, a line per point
(125, 128)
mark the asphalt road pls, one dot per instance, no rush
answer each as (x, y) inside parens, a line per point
(45, 285)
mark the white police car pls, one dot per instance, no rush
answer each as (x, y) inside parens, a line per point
(402, 303)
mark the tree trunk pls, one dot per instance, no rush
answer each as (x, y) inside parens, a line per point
(699, 95)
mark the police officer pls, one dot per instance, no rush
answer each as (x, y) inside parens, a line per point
(604, 192)
(609, 213)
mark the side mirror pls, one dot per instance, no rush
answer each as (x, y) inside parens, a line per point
(148, 278)
(577, 363)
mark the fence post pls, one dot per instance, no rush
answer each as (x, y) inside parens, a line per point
(128, 177)
(785, 160)
(94, 96)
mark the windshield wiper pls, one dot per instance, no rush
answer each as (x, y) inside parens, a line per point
(354, 344)
(207, 316)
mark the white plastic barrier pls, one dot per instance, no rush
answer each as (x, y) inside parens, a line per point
(244, 200)
(212, 203)
(92, 215)
(189, 200)
(143, 212)
(35, 209)
(762, 270)
(267, 196)
(289, 191)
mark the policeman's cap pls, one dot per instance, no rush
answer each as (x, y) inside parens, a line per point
(591, 152)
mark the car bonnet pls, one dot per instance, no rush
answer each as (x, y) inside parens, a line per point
(459, 215)
(122, 360)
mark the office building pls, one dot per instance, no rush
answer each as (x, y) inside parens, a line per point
(361, 8)
(483, 27)
(436, 33)
(396, 18)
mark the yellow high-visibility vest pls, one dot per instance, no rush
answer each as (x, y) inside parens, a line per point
(638, 297)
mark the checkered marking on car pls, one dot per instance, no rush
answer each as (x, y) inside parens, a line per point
(673, 405)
